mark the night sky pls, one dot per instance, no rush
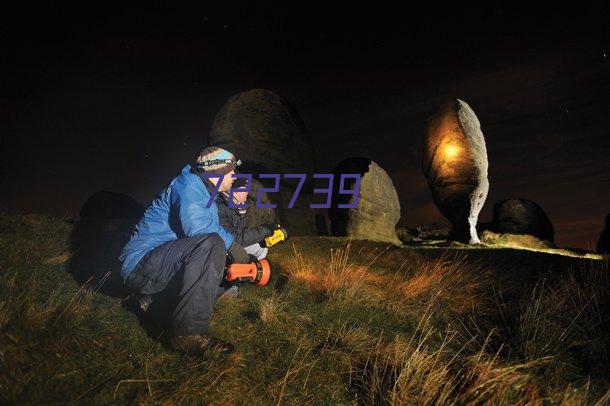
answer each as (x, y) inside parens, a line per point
(119, 99)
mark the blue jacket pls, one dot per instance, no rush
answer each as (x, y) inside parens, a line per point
(178, 211)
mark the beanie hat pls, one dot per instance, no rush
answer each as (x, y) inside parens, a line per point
(216, 160)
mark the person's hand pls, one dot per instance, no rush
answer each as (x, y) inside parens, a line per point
(240, 197)
(238, 254)
(269, 229)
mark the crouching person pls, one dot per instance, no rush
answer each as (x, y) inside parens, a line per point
(180, 240)
(232, 218)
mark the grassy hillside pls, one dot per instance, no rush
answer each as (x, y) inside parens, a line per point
(340, 322)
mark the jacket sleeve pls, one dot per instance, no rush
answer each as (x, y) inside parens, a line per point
(235, 224)
(195, 218)
(249, 235)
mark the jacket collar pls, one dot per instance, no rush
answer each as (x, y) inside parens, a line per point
(206, 181)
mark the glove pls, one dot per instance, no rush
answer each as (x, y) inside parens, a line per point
(238, 254)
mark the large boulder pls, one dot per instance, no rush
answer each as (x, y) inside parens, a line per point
(455, 165)
(111, 206)
(107, 220)
(259, 215)
(267, 134)
(522, 216)
(603, 243)
(110, 213)
(264, 131)
(378, 209)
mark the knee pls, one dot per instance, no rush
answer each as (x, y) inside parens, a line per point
(216, 239)
(213, 250)
(217, 246)
(205, 243)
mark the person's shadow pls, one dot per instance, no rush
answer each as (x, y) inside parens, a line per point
(105, 225)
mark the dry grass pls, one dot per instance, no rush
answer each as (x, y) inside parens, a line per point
(340, 323)
(455, 281)
(415, 371)
(420, 370)
(270, 308)
(339, 279)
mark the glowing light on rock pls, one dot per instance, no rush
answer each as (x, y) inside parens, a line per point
(455, 165)
(451, 151)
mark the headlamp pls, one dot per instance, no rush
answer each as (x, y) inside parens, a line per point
(212, 162)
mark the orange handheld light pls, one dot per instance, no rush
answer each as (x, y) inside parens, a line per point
(257, 271)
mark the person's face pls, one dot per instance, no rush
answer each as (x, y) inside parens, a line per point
(227, 182)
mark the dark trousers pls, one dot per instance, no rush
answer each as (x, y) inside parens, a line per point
(194, 267)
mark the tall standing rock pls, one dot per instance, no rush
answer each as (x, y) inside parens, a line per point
(378, 208)
(264, 131)
(258, 215)
(267, 134)
(522, 216)
(603, 243)
(455, 165)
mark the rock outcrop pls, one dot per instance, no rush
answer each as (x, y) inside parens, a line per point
(257, 215)
(267, 134)
(106, 222)
(522, 216)
(111, 205)
(378, 208)
(455, 165)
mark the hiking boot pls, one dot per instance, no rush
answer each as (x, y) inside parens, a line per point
(144, 302)
(197, 344)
